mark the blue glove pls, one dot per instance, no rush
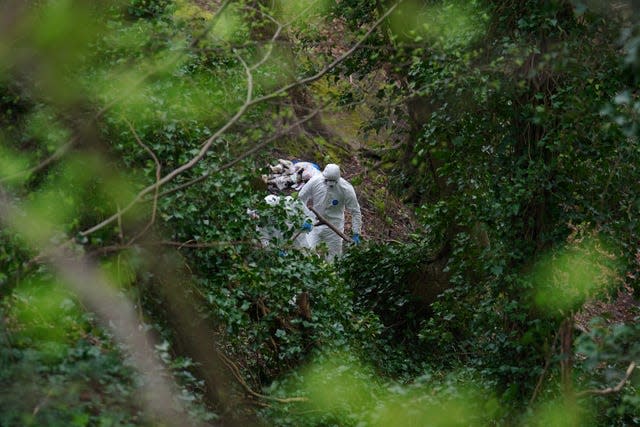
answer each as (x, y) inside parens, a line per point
(356, 239)
(307, 226)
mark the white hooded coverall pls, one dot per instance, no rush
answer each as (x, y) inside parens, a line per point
(331, 202)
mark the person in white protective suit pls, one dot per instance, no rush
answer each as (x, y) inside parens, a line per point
(298, 222)
(330, 195)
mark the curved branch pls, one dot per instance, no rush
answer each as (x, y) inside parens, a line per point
(242, 156)
(238, 376)
(610, 390)
(188, 244)
(265, 58)
(191, 163)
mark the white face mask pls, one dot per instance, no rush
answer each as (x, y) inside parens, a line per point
(330, 182)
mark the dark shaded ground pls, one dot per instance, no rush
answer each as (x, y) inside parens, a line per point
(385, 217)
(623, 308)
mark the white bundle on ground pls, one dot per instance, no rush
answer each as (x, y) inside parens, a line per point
(288, 174)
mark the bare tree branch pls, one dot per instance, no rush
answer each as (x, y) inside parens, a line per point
(265, 58)
(194, 160)
(179, 245)
(61, 151)
(120, 229)
(242, 156)
(42, 403)
(610, 390)
(157, 187)
(545, 368)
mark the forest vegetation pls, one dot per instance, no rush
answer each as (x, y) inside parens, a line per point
(493, 145)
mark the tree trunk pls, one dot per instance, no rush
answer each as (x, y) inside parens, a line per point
(566, 361)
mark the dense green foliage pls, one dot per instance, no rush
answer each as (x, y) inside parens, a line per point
(131, 149)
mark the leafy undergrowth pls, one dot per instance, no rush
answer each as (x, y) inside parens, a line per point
(506, 143)
(57, 367)
(60, 367)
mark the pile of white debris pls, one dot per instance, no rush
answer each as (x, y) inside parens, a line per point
(289, 175)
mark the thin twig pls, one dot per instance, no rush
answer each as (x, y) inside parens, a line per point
(42, 403)
(279, 30)
(547, 361)
(614, 169)
(61, 151)
(188, 244)
(7, 338)
(120, 231)
(204, 245)
(210, 24)
(275, 36)
(392, 241)
(154, 209)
